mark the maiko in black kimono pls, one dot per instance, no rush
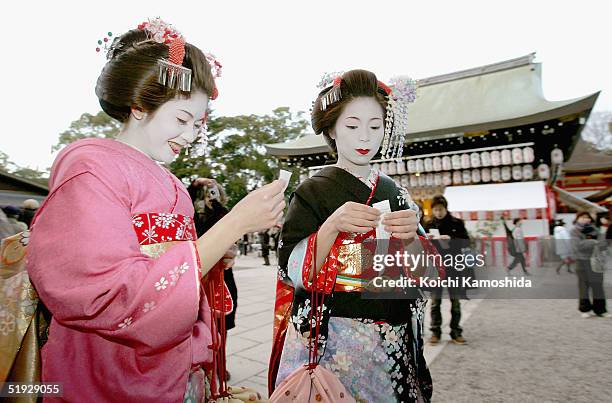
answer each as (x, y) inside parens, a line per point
(374, 346)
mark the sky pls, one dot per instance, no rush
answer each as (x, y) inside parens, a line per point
(274, 52)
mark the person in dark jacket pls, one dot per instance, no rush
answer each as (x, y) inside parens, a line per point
(209, 202)
(520, 247)
(28, 211)
(453, 238)
(585, 238)
(264, 238)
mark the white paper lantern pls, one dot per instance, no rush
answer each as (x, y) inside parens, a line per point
(421, 179)
(466, 176)
(556, 156)
(528, 155)
(384, 168)
(411, 166)
(437, 179)
(401, 167)
(456, 161)
(437, 164)
(376, 166)
(414, 181)
(506, 157)
(420, 167)
(475, 160)
(517, 172)
(429, 179)
(506, 174)
(457, 177)
(517, 156)
(447, 179)
(476, 175)
(465, 161)
(405, 181)
(446, 163)
(486, 174)
(485, 158)
(527, 172)
(495, 158)
(495, 174)
(428, 164)
(543, 171)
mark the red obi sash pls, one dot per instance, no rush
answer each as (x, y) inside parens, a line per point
(152, 228)
(160, 228)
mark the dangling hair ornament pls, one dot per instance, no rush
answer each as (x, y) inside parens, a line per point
(171, 72)
(403, 92)
(333, 95)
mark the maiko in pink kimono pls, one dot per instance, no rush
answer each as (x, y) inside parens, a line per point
(113, 252)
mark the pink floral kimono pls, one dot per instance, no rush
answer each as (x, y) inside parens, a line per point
(112, 256)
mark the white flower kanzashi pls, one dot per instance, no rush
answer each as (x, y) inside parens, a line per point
(126, 322)
(161, 284)
(137, 221)
(159, 30)
(149, 306)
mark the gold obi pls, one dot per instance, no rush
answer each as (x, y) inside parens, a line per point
(353, 261)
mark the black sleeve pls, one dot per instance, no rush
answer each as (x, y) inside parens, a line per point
(462, 232)
(300, 222)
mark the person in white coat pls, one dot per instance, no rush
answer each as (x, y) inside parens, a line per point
(563, 246)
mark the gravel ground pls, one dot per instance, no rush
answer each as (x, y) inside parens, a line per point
(527, 351)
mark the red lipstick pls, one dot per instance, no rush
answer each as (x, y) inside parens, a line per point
(363, 151)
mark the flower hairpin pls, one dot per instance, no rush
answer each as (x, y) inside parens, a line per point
(103, 43)
(403, 91)
(160, 31)
(215, 66)
(330, 78)
(171, 71)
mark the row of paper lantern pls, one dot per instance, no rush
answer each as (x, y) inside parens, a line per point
(459, 161)
(496, 174)
(468, 176)
(493, 158)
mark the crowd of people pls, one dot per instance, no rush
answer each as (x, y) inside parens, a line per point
(14, 220)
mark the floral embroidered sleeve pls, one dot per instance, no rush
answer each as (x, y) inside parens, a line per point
(86, 264)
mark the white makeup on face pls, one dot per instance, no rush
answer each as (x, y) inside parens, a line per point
(163, 134)
(358, 132)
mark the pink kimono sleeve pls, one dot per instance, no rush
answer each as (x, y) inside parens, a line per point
(86, 264)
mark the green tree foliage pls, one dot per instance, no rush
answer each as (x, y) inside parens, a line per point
(34, 175)
(236, 156)
(88, 125)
